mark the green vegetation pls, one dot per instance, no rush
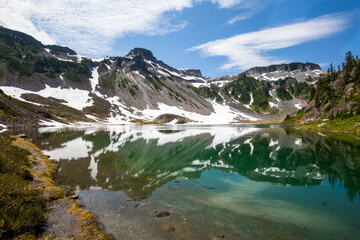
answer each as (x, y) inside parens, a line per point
(17, 65)
(154, 80)
(351, 124)
(102, 68)
(55, 49)
(336, 98)
(211, 93)
(261, 97)
(5, 110)
(241, 88)
(108, 80)
(332, 95)
(19, 41)
(100, 108)
(20, 52)
(126, 83)
(283, 93)
(293, 120)
(298, 89)
(22, 207)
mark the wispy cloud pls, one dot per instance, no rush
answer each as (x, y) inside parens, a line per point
(252, 49)
(248, 8)
(91, 26)
(229, 3)
(242, 16)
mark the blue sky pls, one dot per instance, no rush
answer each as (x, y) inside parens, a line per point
(220, 37)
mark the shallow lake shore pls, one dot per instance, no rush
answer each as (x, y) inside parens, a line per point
(65, 217)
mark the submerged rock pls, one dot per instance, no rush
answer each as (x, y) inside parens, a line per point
(160, 214)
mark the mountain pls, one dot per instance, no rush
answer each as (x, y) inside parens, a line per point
(56, 85)
(300, 71)
(335, 101)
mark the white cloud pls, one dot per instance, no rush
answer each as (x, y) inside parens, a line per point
(251, 49)
(90, 26)
(229, 3)
(242, 16)
(15, 14)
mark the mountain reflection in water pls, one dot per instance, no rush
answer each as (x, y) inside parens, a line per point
(140, 159)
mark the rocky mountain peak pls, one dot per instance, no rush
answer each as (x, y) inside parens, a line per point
(146, 54)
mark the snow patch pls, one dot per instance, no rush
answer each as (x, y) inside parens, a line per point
(94, 78)
(298, 106)
(222, 114)
(251, 102)
(75, 98)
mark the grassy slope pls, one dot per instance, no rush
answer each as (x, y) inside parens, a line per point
(346, 125)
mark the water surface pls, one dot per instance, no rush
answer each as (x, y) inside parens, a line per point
(232, 182)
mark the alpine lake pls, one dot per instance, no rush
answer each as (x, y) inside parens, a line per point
(211, 182)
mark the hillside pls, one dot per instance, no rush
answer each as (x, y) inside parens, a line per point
(55, 85)
(335, 99)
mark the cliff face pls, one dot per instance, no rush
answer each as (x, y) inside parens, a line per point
(297, 66)
(302, 72)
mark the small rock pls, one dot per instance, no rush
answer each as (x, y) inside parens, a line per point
(74, 197)
(162, 214)
(168, 227)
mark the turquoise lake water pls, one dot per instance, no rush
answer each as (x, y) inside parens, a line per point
(217, 182)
